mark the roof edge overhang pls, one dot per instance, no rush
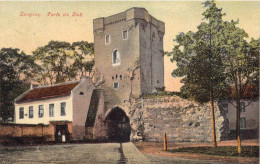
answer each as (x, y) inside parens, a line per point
(46, 98)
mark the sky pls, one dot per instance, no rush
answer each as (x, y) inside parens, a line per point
(18, 30)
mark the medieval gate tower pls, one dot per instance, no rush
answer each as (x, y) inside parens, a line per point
(129, 60)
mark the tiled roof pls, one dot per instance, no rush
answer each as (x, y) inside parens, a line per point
(50, 91)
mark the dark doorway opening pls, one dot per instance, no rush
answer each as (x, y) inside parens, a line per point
(118, 126)
(60, 131)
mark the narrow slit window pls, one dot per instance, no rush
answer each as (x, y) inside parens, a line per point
(125, 35)
(107, 39)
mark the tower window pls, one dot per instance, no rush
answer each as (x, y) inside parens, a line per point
(107, 39)
(120, 77)
(116, 76)
(116, 85)
(112, 77)
(81, 93)
(125, 35)
(115, 58)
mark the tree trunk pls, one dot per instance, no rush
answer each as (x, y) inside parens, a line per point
(214, 144)
(238, 91)
(238, 128)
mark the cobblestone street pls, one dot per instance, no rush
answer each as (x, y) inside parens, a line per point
(115, 153)
(73, 153)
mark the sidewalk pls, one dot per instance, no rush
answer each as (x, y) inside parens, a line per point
(155, 149)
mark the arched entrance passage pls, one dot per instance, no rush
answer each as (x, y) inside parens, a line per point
(118, 126)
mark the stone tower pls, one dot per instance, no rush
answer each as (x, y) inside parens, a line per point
(129, 63)
(128, 55)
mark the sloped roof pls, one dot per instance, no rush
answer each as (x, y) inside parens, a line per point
(50, 91)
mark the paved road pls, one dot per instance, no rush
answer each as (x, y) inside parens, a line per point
(115, 153)
(74, 153)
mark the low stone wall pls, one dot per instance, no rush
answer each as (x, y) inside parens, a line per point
(9, 131)
(181, 119)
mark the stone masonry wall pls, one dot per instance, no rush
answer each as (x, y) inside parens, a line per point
(181, 119)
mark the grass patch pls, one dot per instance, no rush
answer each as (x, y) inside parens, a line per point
(247, 151)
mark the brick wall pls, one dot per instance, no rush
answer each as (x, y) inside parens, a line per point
(8, 131)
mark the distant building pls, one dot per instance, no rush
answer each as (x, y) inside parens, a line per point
(63, 105)
(249, 117)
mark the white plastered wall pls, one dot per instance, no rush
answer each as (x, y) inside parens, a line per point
(46, 118)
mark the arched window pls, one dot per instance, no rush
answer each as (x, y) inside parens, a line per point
(115, 57)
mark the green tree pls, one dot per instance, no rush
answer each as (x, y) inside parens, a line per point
(198, 60)
(82, 50)
(15, 71)
(61, 61)
(241, 62)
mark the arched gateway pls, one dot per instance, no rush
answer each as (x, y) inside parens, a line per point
(118, 126)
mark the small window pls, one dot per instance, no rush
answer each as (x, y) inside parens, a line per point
(21, 113)
(63, 109)
(116, 85)
(115, 58)
(81, 93)
(242, 123)
(107, 39)
(125, 35)
(41, 112)
(31, 112)
(157, 81)
(116, 76)
(120, 77)
(225, 107)
(112, 77)
(51, 110)
(242, 107)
